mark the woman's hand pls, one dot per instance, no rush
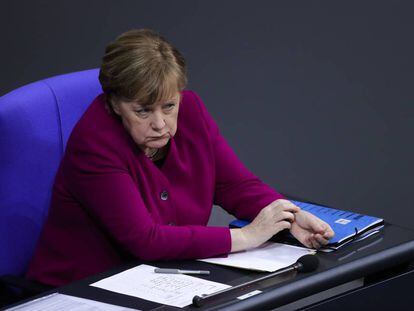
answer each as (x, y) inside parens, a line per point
(310, 230)
(275, 217)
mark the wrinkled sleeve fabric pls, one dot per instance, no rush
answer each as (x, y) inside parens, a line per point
(100, 180)
(237, 190)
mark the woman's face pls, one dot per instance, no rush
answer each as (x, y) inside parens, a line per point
(150, 126)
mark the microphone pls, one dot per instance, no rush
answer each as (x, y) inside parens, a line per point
(306, 263)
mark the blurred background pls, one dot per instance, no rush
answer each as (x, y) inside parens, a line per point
(316, 97)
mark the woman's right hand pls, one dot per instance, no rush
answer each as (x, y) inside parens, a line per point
(272, 219)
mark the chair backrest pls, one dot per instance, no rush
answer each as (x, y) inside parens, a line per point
(35, 124)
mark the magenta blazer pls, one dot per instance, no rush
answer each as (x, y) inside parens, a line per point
(111, 203)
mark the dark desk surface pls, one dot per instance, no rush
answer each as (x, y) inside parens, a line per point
(392, 247)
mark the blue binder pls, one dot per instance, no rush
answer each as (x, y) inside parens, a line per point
(346, 225)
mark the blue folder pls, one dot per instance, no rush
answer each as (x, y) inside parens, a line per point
(346, 225)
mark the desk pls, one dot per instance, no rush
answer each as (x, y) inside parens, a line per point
(359, 270)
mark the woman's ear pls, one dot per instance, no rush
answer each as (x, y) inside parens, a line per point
(115, 106)
(112, 104)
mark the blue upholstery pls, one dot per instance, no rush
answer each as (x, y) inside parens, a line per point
(35, 124)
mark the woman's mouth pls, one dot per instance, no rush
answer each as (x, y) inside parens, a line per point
(160, 137)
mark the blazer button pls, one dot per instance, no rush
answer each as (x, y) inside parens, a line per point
(164, 195)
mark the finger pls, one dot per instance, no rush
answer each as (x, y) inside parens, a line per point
(287, 216)
(286, 205)
(307, 242)
(314, 242)
(320, 239)
(326, 230)
(317, 225)
(329, 233)
(304, 237)
(282, 225)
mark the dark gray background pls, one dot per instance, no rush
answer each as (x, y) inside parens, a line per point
(316, 97)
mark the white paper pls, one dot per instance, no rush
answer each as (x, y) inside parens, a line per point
(268, 257)
(62, 302)
(175, 290)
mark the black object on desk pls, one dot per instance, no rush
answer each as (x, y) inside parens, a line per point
(306, 263)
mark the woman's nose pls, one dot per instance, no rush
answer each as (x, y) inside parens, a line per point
(158, 122)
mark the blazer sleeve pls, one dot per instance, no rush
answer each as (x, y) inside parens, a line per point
(237, 190)
(99, 179)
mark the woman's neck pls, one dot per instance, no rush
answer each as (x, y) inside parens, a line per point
(156, 154)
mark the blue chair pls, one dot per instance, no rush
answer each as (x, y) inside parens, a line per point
(35, 123)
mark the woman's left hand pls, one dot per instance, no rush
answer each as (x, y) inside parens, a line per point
(310, 230)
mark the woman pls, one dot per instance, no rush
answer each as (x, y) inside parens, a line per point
(141, 171)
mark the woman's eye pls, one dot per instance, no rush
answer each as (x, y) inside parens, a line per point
(142, 112)
(169, 106)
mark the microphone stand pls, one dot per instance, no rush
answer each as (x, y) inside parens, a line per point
(199, 301)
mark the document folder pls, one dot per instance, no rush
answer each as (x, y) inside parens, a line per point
(346, 225)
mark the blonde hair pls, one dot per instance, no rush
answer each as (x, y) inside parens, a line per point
(140, 65)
